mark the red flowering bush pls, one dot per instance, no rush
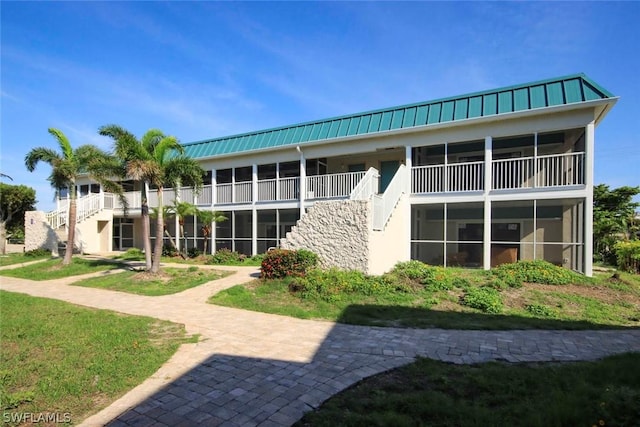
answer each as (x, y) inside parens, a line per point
(279, 263)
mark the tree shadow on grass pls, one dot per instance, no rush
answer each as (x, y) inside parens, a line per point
(416, 317)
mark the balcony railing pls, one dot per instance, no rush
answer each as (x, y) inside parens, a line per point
(332, 186)
(459, 177)
(555, 170)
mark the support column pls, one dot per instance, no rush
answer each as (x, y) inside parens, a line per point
(214, 190)
(486, 235)
(588, 203)
(303, 181)
(254, 212)
(408, 161)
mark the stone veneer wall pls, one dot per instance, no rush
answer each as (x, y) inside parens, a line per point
(337, 231)
(38, 234)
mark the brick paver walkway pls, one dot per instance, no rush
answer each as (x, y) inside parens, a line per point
(253, 368)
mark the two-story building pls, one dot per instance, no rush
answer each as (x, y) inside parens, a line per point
(472, 180)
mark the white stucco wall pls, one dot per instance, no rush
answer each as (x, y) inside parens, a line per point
(389, 246)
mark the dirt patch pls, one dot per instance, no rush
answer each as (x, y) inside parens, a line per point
(602, 293)
(146, 276)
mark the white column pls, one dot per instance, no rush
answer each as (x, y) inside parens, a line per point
(233, 185)
(409, 164)
(277, 180)
(214, 190)
(254, 212)
(303, 181)
(588, 203)
(407, 215)
(486, 241)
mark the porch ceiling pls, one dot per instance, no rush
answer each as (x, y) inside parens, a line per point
(573, 89)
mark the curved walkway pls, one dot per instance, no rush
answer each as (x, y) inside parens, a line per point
(253, 368)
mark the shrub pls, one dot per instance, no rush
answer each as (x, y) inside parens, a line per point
(485, 299)
(279, 263)
(539, 310)
(194, 252)
(333, 284)
(413, 269)
(537, 271)
(225, 256)
(628, 255)
(432, 277)
(36, 253)
(169, 251)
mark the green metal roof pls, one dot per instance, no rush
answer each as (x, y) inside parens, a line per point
(529, 96)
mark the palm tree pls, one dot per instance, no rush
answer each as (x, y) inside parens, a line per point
(167, 212)
(155, 160)
(183, 210)
(207, 218)
(66, 166)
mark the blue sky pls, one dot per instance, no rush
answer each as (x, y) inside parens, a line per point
(199, 70)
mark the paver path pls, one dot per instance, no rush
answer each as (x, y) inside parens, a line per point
(260, 369)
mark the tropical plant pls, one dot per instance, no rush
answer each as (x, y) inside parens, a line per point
(156, 160)
(207, 218)
(15, 200)
(614, 219)
(66, 166)
(167, 213)
(183, 210)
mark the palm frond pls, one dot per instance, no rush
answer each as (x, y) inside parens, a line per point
(183, 170)
(165, 147)
(40, 154)
(63, 142)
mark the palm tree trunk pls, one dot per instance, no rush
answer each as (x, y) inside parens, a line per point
(71, 227)
(157, 253)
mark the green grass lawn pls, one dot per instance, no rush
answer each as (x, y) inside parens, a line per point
(58, 357)
(432, 393)
(170, 281)
(18, 258)
(199, 260)
(596, 304)
(53, 269)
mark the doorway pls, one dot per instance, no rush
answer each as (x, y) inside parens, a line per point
(122, 234)
(388, 170)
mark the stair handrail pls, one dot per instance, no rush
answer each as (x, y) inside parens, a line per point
(367, 187)
(85, 207)
(383, 205)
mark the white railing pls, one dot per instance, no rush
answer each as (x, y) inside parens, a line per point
(467, 176)
(224, 193)
(243, 192)
(455, 177)
(384, 205)
(512, 173)
(85, 207)
(186, 194)
(427, 179)
(270, 190)
(367, 187)
(553, 170)
(205, 198)
(333, 185)
(267, 190)
(289, 188)
(57, 218)
(560, 170)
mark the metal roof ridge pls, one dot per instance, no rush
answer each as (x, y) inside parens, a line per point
(581, 75)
